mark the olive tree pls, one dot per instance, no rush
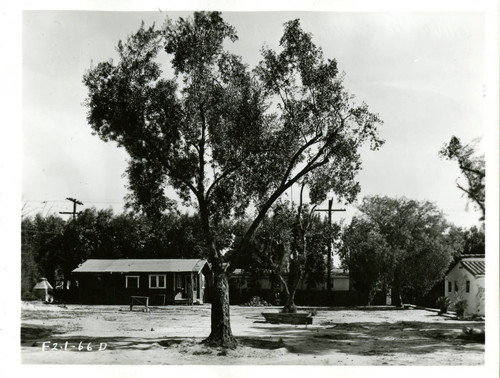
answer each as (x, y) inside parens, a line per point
(228, 139)
(398, 243)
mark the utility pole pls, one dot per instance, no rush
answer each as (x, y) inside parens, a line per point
(75, 202)
(329, 257)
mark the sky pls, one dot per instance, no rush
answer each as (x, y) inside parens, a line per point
(422, 72)
(429, 73)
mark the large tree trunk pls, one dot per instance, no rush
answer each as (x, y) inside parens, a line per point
(371, 296)
(290, 290)
(397, 299)
(221, 334)
(290, 307)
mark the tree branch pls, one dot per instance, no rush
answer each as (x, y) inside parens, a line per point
(477, 200)
(201, 152)
(173, 173)
(197, 148)
(471, 170)
(224, 175)
(267, 205)
(296, 156)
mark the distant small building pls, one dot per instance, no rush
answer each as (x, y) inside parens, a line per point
(465, 280)
(43, 290)
(164, 281)
(340, 281)
(243, 279)
(244, 285)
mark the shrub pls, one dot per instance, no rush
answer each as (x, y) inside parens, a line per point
(443, 303)
(460, 307)
(28, 296)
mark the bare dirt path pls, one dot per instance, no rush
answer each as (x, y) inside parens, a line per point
(56, 334)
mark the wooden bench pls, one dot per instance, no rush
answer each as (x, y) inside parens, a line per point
(144, 301)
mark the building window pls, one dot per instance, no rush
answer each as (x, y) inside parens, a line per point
(456, 286)
(131, 282)
(157, 281)
(449, 287)
(467, 286)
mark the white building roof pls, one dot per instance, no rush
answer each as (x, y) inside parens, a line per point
(140, 265)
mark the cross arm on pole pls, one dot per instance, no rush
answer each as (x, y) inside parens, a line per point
(74, 212)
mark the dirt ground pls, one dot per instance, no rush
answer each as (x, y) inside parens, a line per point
(172, 335)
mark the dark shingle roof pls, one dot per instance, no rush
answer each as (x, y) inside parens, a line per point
(476, 267)
(140, 265)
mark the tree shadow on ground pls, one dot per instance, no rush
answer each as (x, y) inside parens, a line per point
(374, 338)
(362, 338)
(261, 343)
(37, 335)
(36, 338)
(30, 333)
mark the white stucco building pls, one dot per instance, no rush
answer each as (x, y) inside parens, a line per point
(465, 280)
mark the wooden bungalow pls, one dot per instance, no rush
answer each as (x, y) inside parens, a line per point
(163, 281)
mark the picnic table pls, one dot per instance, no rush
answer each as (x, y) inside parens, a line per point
(144, 301)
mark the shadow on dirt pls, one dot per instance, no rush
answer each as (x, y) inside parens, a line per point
(363, 338)
(111, 343)
(376, 338)
(36, 335)
(167, 343)
(261, 343)
(135, 343)
(30, 333)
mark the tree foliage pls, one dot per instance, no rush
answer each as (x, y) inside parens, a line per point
(40, 239)
(473, 170)
(291, 245)
(474, 241)
(213, 115)
(227, 139)
(398, 243)
(52, 247)
(368, 257)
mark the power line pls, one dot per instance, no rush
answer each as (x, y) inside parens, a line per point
(75, 202)
(84, 199)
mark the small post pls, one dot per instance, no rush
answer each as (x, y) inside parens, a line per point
(191, 291)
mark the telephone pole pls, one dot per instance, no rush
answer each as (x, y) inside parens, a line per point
(75, 202)
(329, 257)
